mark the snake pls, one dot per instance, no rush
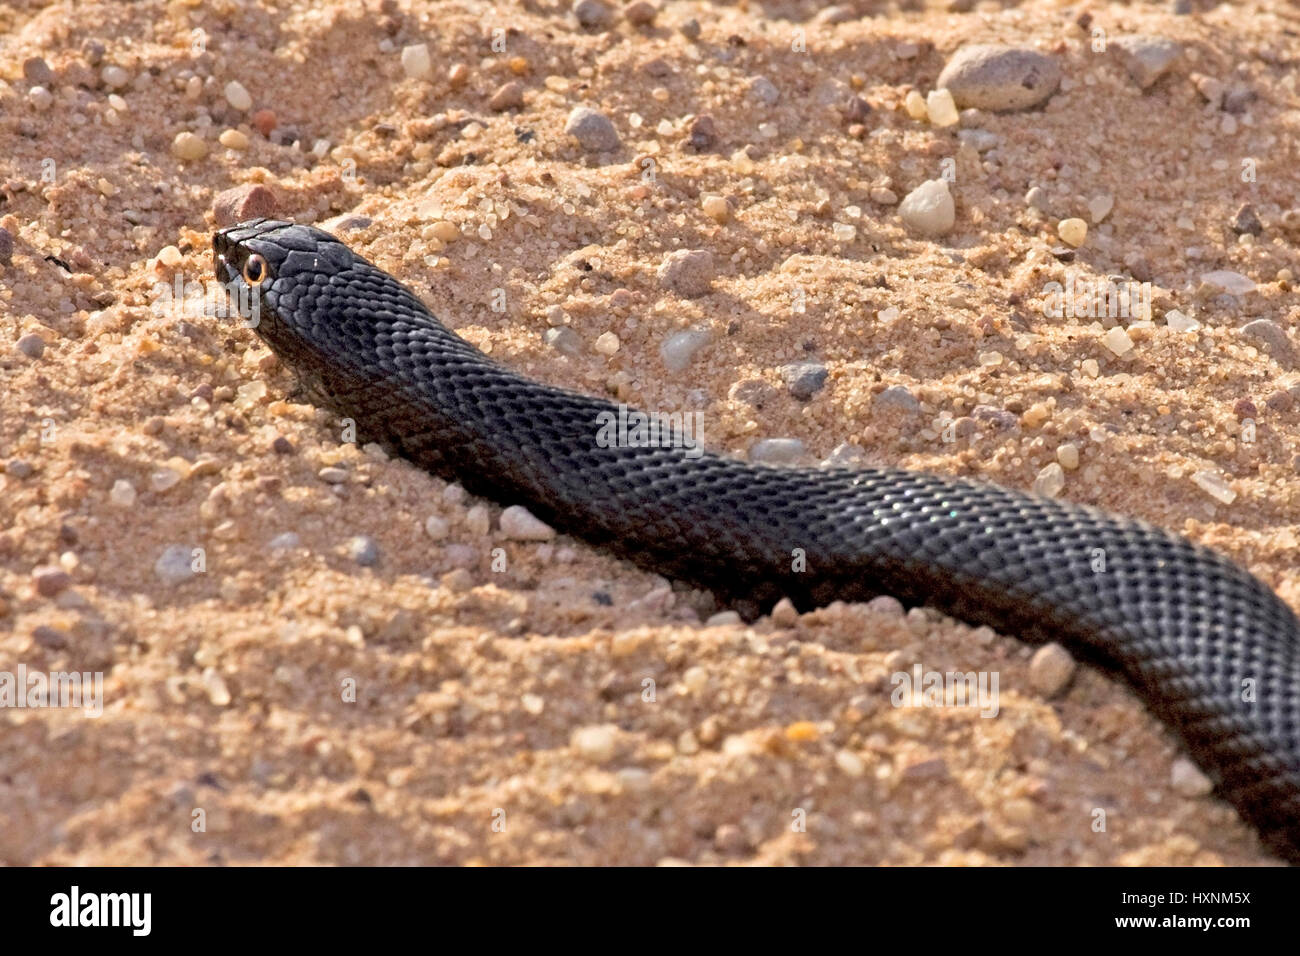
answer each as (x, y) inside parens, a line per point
(1212, 651)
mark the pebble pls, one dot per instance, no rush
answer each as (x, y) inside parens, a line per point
(914, 103)
(640, 13)
(592, 14)
(898, 396)
(415, 61)
(593, 130)
(239, 203)
(332, 475)
(595, 744)
(285, 541)
(980, 140)
(1234, 283)
(364, 550)
(1072, 231)
(189, 147)
(606, 344)
(436, 528)
(1147, 57)
(1118, 341)
(886, 605)
(238, 97)
(215, 685)
(722, 619)
(688, 272)
(764, 90)
(690, 29)
(1051, 669)
(174, 565)
(1178, 322)
(703, 133)
(680, 348)
(233, 139)
(36, 70)
(508, 96)
(850, 763)
(1050, 482)
(994, 77)
(114, 77)
(122, 493)
(1068, 455)
(785, 614)
(18, 468)
(50, 580)
(716, 208)
(41, 98)
(929, 209)
(563, 340)
(776, 451)
(1274, 339)
(1246, 221)
(941, 108)
(1186, 778)
(804, 379)
(478, 521)
(6, 246)
(1213, 485)
(31, 345)
(519, 524)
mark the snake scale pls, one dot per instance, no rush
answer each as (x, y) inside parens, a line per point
(1212, 651)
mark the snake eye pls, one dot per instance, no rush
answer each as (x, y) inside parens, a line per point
(255, 270)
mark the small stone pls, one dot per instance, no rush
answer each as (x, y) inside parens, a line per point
(50, 580)
(776, 451)
(189, 147)
(1072, 231)
(703, 133)
(592, 14)
(887, 605)
(122, 493)
(595, 744)
(215, 685)
(1147, 57)
(730, 839)
(716, 208)
(1100, 207)
(1274, 339)
(563, 339)
(416, 63)
(6, 246)
(941, 109)
(1178, 322)
(688, 272)
(238, 97)
(764, 90)
(332, 475)
(606, 344)
(640, 13)
(114, 77)
(1051, 669)
(929, 209)
(914, 103)
(690, 29)
(233, 139)
(784, 614)
(680, 348)
(1068, 455)
(436, 528)
(850, 764)
(241, 203)
(282, 446)
(1213, 485)
(1118, 341)
(40, 98)
(1233, 283)
(37, 71)
(164, 479)
(18, 468)
(478, 521)
(804, 379)
(593, 130)
(287, 541)
(31, 345)
(1186, 778)
(264, 121)
(519, 524)
(507, 97)
(1247, 222)
(723, 619)
(898, 396)
(1050, 482)
(175, 565)
(364, 550)
(994, 77)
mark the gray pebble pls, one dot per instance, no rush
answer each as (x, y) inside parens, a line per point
(31, 345)
(998, 417)
(592, 14)
(285, 542)
(364, 550)
(981, 140)
(37, 71)
(593, 130)
(174, 566)
(1274, 339)
(1246, 221)
(18, 468)
(804, 379)
(563, 340)
(1147, 57)
(764, 90)
(995, 77)
(691, 29)
(776, 451)
(898, 396)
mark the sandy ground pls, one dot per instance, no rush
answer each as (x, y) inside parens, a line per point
(287, 703)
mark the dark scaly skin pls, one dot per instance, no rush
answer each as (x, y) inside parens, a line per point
(1189, 630)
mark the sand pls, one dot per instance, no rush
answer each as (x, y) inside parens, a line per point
(277, 691)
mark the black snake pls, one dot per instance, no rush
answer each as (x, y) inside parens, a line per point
(1212, 650)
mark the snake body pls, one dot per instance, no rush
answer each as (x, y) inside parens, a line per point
(1213, 652)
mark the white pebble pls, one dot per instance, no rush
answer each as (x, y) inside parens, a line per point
(929, 209)
(415, 61)
(1051, 669)
(519, 524)
(238, 97)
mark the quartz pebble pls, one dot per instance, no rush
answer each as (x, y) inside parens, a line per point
(1214, 486)
(898, 396)
(994, 77)
(804, 379)
(1186, 778)
(1147, 57)
(595, 744)
(1050, 481)
(189, 147)
(688, 272)
(416, 63)
(436, 527)
(519, 524)
(31, 345)
(238, 97)
(563, 340)
(1117, 340)
(928, 210)
(593, 130)
(606, 344)
(776, 451)
(1051, 669)
(941, 109)
(1274, 339)
(1072, 231)
(680, 348)
(175, 565)
(122, 493)
(364, 550)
